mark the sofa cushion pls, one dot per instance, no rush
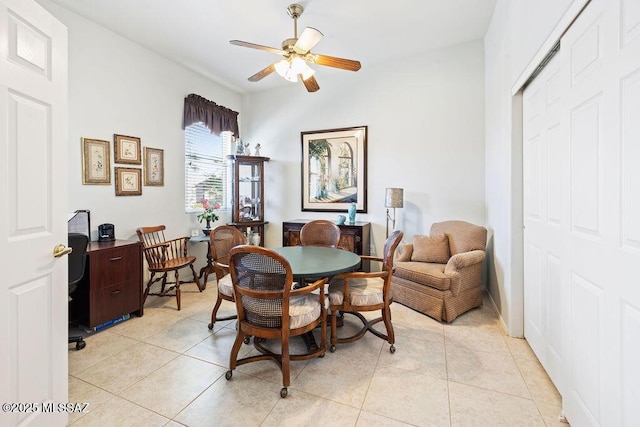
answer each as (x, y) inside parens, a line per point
(424, 273)
(431, 249)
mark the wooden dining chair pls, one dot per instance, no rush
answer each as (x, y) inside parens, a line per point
(352, 293)
(268, 308)
(320, 232)
(164, 256)
(222, 240)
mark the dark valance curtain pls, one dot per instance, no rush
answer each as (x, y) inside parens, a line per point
(216, 117)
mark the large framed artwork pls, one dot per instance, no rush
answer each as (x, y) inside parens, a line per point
(334, 169)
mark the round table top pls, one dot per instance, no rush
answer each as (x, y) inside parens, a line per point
(309, 261)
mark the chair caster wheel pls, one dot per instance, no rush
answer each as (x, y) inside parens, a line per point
(246, 340)
(283, 392)
(228, 375)
(321, 356)
(392, 349)
(210, 326)
(80, 345)
(332, 349)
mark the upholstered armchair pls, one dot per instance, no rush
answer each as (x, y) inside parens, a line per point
(440, 275)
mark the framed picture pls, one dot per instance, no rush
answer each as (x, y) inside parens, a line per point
(128, 181)
(334, 169)
(153, 166)
(126, 149)
(96, 162)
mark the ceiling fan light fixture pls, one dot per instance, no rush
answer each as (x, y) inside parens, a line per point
(291, 68)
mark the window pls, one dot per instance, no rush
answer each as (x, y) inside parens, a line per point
(205, 167)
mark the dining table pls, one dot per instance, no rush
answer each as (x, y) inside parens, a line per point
(315, 262)
(318, 261)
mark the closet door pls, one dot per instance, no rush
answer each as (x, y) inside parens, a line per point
(546, 154)
(582, 216)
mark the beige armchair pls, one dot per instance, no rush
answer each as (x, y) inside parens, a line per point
(440, 275)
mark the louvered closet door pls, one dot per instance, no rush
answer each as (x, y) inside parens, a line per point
(582, 215)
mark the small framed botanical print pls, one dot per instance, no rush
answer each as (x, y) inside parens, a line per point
(126, 149)
(153, 166)
(128, 181)
(96, 162)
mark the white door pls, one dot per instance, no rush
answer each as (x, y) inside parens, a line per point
(33, 207)
(583, 316)
(545, 151)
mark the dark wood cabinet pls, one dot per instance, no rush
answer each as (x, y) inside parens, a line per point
(112, 283)
(353, 237)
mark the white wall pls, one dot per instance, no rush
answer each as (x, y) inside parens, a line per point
(116, 86)
(425, 117)
(517, 31)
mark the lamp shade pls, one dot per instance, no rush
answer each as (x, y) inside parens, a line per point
(393, 198)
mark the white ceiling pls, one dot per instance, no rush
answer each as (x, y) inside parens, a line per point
(196, 33)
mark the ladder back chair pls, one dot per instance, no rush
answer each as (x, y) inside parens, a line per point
(351, 293)
(164, 256)
(268, 308)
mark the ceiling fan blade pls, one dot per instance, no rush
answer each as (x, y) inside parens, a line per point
(311, 84)
(257, 46)
(307, 40)
(262, 73)
(332, 61)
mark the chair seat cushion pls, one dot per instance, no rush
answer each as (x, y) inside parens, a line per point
(424, 273)
(303, 309)
(362, 292)
(225, 286)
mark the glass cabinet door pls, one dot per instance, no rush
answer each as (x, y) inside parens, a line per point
(247, 175)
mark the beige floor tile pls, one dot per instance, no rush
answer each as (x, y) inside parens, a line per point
(83, 392)
(484, 337)
(242, 401)
(367, 419)
(120, 412)
(100, 346)
(425, 357)
(171, 388)
(494, 371)
(181, 336)
(409, 323)
(303, 409)
(124, 369)
(473, 406)
(216, 348)
(551, 415)
(540, 386)
(409, 397)
(152, 322)
(519, 347)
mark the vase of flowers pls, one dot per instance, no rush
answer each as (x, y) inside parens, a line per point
(208, 215)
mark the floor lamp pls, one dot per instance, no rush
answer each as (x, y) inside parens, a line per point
(393, 199)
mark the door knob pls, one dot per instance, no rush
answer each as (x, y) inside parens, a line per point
(61, 250)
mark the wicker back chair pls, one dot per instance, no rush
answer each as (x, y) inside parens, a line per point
(164, 256)
(222, 240)
(355, 292)
(268, 308)
(320, 232)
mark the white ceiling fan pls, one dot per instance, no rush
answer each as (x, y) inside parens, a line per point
(297, 55)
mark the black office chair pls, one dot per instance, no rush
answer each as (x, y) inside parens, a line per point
(77, 259)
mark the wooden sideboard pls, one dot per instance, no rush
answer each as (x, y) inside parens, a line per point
(353, 237)
(112, 282)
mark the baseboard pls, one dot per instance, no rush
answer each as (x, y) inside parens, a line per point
(501, 321)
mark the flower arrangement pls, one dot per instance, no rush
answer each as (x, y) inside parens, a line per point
(209, 213)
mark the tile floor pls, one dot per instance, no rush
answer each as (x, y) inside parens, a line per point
(167, 369)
